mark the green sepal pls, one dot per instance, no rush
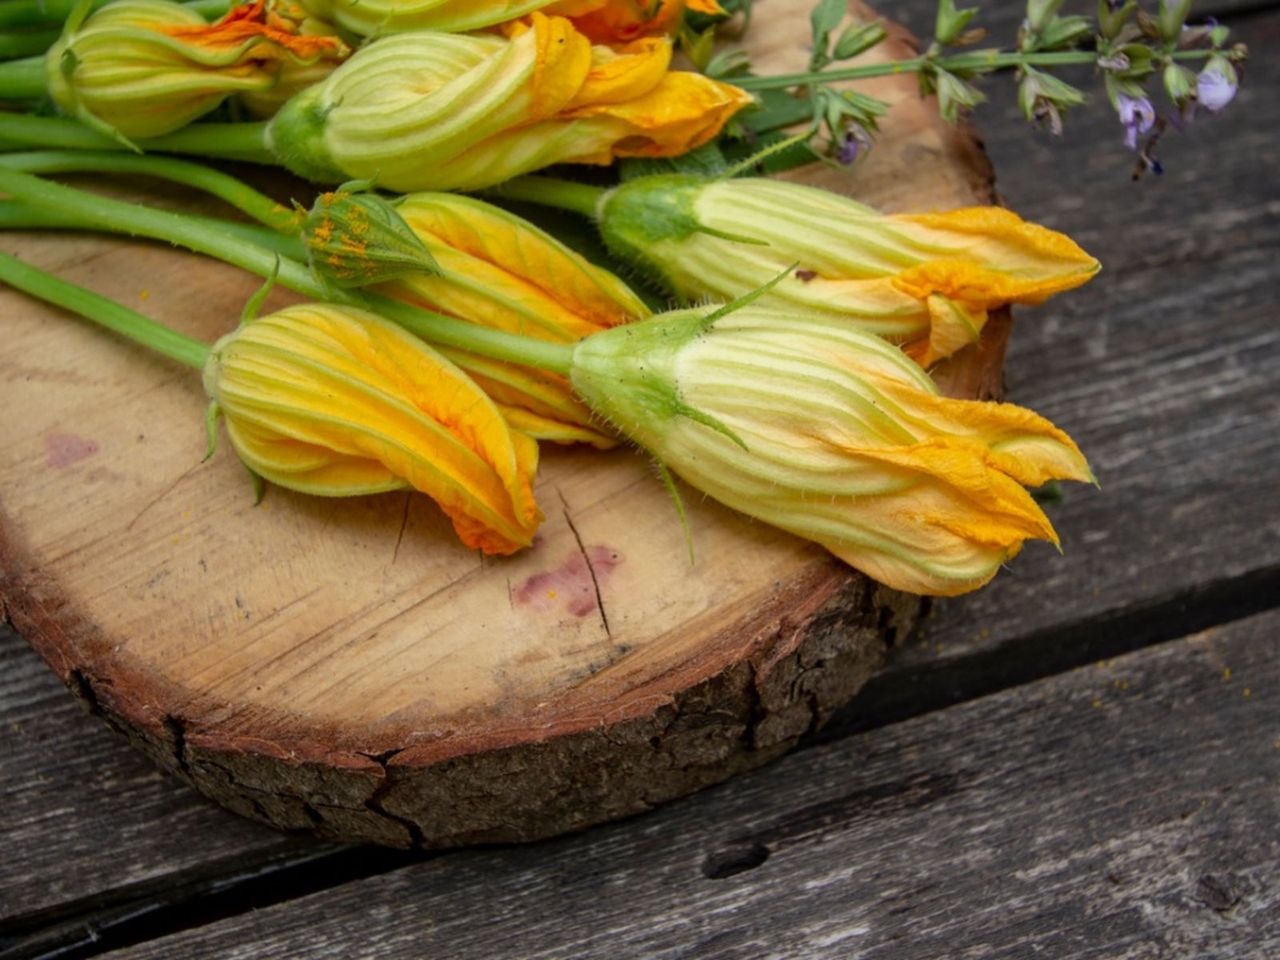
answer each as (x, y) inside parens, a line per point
(669, 481)
(211, 415)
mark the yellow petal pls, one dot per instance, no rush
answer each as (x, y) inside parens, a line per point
(333, 401)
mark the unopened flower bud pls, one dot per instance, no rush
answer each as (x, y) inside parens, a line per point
(926, 281)
(435, 111)
(357, 239)
(502, 272)
(832, 435)
(334, 401)
(142, 68)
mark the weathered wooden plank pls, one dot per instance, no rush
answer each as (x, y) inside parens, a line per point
(1126, 810)
(84, 815)
(1166, 369)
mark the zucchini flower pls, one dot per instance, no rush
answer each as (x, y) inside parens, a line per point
(334, 401)
(437, 111)
(834, 435)
(604, 21)
(621, 21)
(469, 259)
(502, 272)
(142, 68)
(925, 281)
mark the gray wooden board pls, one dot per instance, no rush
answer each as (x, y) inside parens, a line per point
(1125, 810)
(1185, 404)
(81, 813)
(1166, 370)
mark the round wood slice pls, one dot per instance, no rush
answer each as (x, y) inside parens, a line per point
(347, 668)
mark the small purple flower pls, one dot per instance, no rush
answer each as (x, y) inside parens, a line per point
(852, 145)
(1137, 115)
(1214, 90)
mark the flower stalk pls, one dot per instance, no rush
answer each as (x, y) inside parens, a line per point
(106, 313)
(93, 212)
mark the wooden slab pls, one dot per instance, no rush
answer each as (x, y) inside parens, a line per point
(1126, 811)
(345, 668)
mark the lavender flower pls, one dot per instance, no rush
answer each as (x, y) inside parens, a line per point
(1214, 90)
(1137, 115)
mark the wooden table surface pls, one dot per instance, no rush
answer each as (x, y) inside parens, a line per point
(1082, 760)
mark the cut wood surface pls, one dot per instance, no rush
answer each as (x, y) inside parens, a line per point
(1127, 811)
(345, 667)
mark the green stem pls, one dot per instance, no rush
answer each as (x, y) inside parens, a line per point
(106, 313)
(230, 141)
(26, 43)
(221, 185)
(549, 192)
(16, 215)
(30, 13)
(981, 61)
(113, 216)
(22, 79)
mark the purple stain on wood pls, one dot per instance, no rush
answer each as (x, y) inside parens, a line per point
(572, 585)
(64, 449)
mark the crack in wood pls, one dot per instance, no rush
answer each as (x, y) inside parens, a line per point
(404, 522)
(586, 558)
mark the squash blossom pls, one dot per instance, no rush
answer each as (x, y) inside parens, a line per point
(604, 21)
(925, 281)
(142, 68)
(500, 271)
(834, 435)
(468, 259)
(621, 21)
(334, 401)
(439, 111)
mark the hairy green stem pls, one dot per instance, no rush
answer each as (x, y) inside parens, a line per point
(229, 141)
(30, 13)
(107, 313)
(221, 185)
(27, 43)
(981, 61)
(16, 215)
(22, 79)
(113, 216)
(549, 192)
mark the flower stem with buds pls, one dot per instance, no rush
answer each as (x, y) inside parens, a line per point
(92, 212)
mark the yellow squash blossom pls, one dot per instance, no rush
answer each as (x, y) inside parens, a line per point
(925, 281)
(142, 68)
(437, 111)
(469, 259)
(502, 272)
(334, 401)
(621, 21)
(604, 21)
(834, 435)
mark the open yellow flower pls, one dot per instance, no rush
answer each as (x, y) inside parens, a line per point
(436, 111)
(334, 401)
(834, 435)
(142, 68)
(924, 281)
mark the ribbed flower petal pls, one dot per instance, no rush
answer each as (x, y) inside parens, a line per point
(432, 111)
(335, 401)
(928, 282)
(833, 435)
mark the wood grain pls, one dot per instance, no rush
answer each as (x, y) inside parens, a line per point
(1128, 811)
(345, 668)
